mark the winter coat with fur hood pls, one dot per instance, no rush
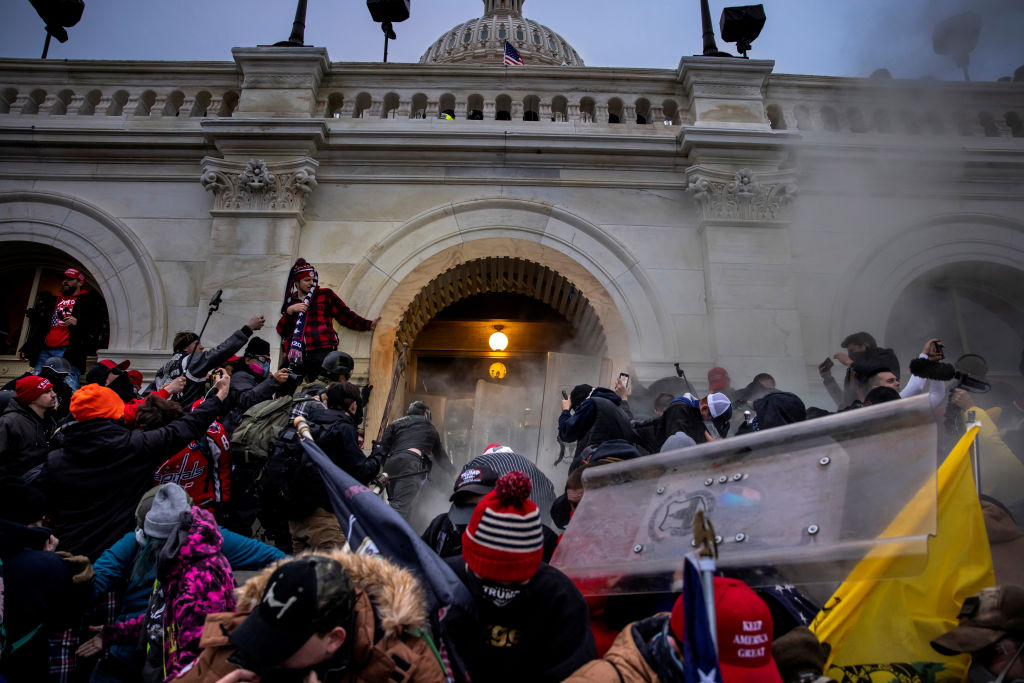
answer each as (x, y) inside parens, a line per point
(384, 645)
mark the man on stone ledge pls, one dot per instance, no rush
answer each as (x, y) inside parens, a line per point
(306, 327)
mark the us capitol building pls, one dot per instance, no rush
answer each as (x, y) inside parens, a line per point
(605, 219)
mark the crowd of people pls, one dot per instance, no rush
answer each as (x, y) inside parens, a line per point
(130, 519)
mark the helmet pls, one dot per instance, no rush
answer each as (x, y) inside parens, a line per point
(58, 365)
(337, 363)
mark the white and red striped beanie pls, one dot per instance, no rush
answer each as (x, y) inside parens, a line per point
(504, 541)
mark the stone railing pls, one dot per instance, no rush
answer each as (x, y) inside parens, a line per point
(846, 106)
(648, 100)
(119, 89)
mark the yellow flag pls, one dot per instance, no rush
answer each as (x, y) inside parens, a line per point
(882, 630)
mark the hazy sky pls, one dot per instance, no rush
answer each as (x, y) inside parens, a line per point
(827, 37)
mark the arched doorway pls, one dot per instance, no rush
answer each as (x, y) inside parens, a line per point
(26, 270)
(481, 392)
(975, 308)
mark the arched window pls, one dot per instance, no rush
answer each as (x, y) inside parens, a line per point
(484, 33)
(672, 115)
(973, 307)
(536, 38)
(419, 106)
(93, 98)
(466, 37)
(519, 33)
(475, 108)
(615, 110)
(390, 110)
(587, 109)
(447, 104)
(502, 33)
(531, 108)
(363, 103)
(643, 111)
(451, 42)
(503, 108)
(559, 108)
(553, 45)
(335, 101)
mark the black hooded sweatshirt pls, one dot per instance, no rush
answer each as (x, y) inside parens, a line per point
(94, 481)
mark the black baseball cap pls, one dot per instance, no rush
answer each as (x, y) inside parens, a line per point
(479, 480)
(303, 597)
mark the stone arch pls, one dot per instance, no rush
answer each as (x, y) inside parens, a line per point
(108, 249)
(891, 265)
(394, 271)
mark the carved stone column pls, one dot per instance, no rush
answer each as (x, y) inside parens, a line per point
(744, 226)
(257, 214)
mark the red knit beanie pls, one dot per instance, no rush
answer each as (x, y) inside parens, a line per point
(504, 541)
(28, 389)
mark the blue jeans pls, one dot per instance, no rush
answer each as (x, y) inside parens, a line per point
(48, 353)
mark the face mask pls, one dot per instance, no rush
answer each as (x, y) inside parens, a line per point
(259, 369)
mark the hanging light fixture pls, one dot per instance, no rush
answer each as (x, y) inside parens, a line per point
(498, 340)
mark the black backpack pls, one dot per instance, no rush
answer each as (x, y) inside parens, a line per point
(290, 479)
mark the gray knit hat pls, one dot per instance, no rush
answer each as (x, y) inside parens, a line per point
(168, 504)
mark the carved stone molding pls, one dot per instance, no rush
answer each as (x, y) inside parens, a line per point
(256, 187)
(743, 196)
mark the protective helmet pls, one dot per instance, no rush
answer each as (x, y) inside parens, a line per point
(336, 364)
(58, 365)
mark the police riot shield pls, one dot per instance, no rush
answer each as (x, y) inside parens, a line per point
(802, 503)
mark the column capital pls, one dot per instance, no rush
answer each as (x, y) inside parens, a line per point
(256, 188)
(742, 197)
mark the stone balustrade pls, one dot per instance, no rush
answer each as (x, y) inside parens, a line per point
(650, 99)
(822, 105)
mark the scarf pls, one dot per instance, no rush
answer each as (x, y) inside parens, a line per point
(296, 344)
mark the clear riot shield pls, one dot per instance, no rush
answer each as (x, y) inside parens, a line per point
(809, 501)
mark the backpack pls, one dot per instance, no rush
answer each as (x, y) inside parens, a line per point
(285, 487)
(260, 426)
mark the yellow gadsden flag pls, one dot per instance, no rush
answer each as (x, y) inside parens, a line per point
(881, 630)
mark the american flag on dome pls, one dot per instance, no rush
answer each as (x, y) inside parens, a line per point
(512, 57)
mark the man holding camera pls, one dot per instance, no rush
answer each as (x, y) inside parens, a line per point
(194, 363)
(863, 357)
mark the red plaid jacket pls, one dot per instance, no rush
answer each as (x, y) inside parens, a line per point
(320, 334)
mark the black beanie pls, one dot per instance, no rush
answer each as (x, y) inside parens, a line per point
(579, 394)
(779, 408)
(19, 502)
(257, 347)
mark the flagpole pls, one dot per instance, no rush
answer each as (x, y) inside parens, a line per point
(707, 548)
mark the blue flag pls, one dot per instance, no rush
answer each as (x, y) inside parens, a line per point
(700, 658)
(374, 528)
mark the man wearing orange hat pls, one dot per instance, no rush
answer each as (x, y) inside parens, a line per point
(95, 478)
(26, 425)
(71, 325)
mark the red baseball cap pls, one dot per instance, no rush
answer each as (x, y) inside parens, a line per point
(135, 377)
(110, 365)
(74, 274)
(744, 633)
(718, 379)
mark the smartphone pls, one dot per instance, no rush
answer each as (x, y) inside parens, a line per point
(937, 347)
(565, 396)
(827, 364)
(624, 378)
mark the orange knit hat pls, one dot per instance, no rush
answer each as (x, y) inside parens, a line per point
(93, 401)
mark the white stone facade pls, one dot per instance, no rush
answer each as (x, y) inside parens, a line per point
(751, 221)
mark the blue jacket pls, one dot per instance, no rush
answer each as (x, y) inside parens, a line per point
(114, 566)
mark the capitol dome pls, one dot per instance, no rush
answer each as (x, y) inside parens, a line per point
(482, 40)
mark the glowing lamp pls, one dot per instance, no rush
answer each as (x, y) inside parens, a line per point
(498, 370)
(498, 340)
